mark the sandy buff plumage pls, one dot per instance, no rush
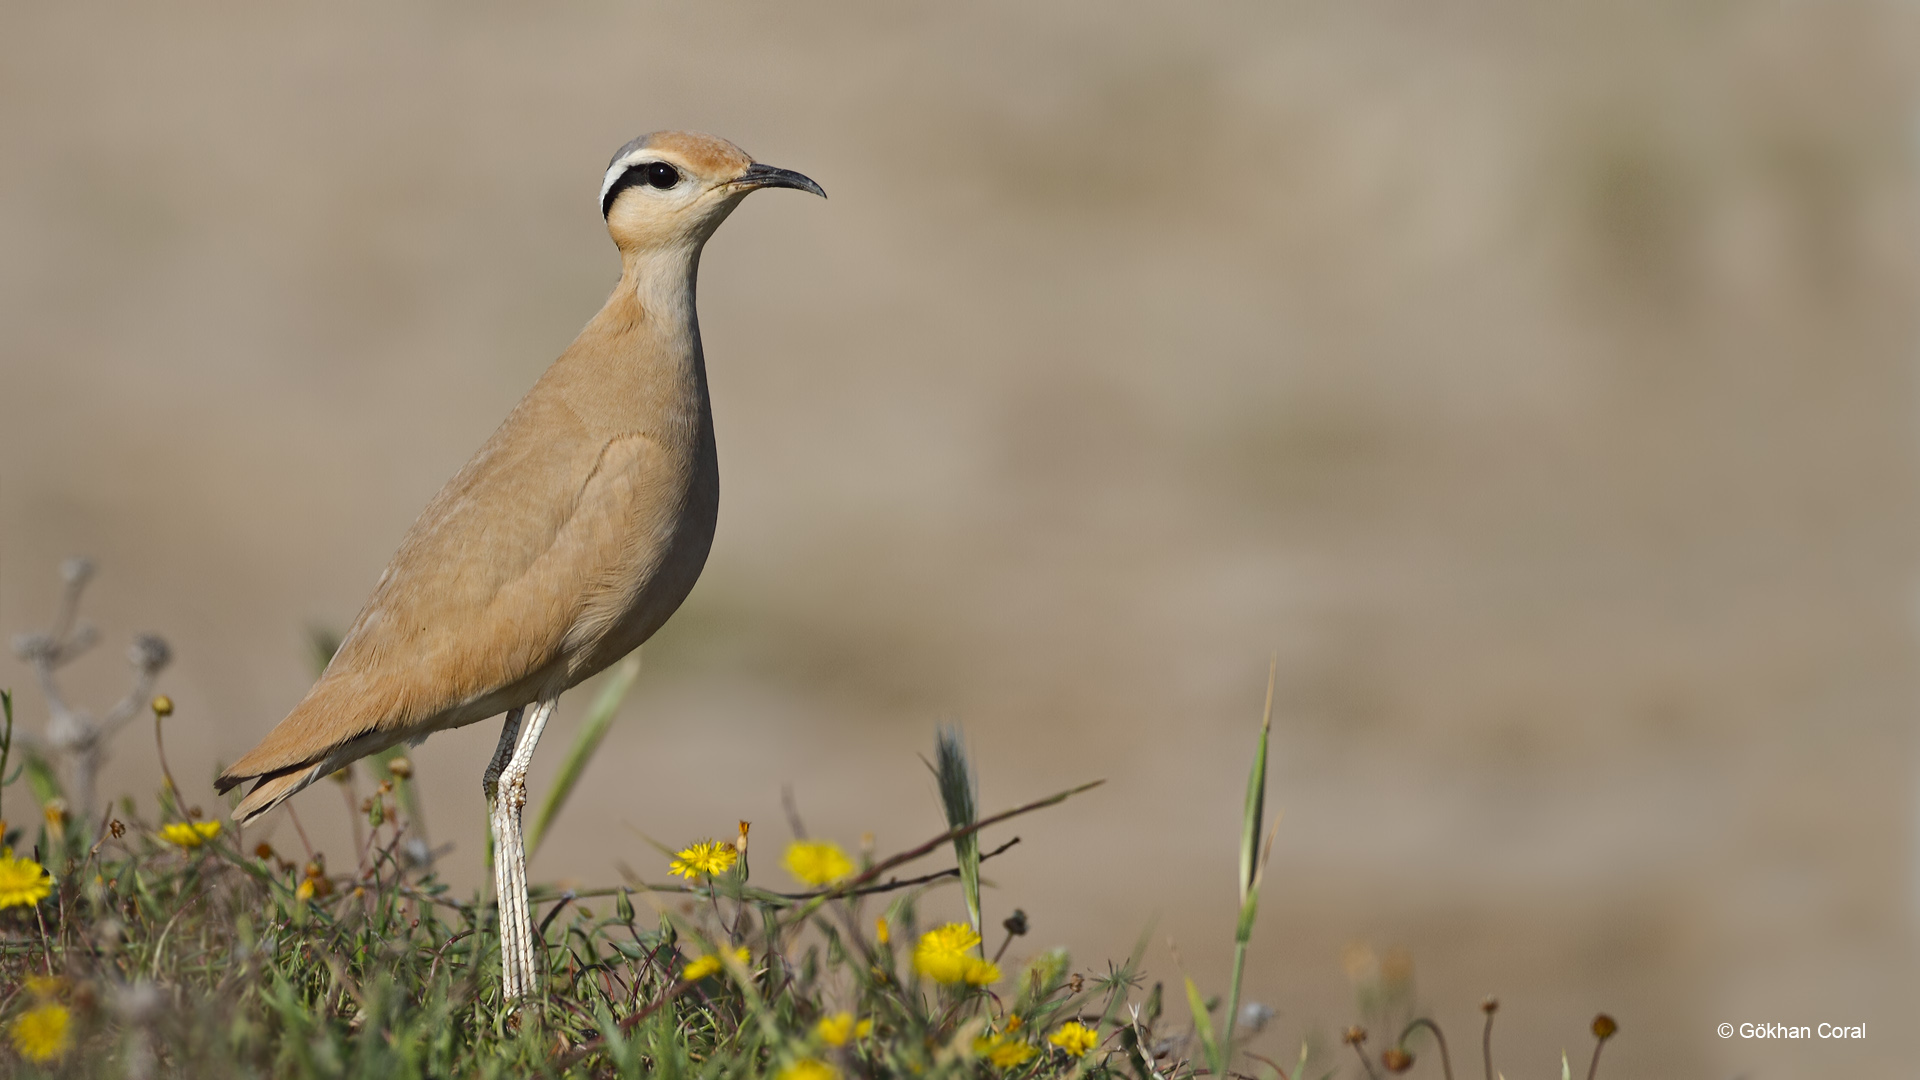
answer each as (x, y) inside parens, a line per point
(574, 532)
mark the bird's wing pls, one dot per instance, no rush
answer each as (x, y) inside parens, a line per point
(521, 546)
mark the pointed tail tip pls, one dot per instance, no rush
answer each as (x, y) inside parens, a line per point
(273, 790)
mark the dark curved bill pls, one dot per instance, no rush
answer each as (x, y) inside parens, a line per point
(763, 176)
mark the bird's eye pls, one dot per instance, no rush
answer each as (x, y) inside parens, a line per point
(662, 175)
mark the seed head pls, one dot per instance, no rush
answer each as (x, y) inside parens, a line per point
(400, 767)
(1396, 1060)
(1604, 1027)
(1490, 1006)
(1016, 923)
(117, 827)
(1355, 1035)
(149, 653)
(263, 850)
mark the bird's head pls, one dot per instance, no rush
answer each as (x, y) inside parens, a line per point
(671, 189)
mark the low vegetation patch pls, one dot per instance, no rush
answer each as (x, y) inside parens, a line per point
(157, 944)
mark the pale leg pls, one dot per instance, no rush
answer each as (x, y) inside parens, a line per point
(506, 780)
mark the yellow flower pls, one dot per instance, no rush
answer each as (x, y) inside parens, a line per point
(835, 1030)
(944, 955)
(809, 1069)
(711, 964)
(45, 987)
(882, 933)
(189, 834)
(41, 1032)
(863, 1029)
(304, 891)
(1074, 1037)
(23, 882)
(1003, 1052)
(706, 858)
(817, 862)
(981, 972)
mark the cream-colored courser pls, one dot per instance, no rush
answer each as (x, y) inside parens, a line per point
(566, 542)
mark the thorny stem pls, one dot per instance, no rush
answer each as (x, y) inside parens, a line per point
(1364, 1062)
(1446, 1062)
(1486, 1038)
(294, 816)
(1594, 1067)
(46, 945)
(347, 792)
(160, 748)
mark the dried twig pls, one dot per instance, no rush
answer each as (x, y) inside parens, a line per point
(74, 734)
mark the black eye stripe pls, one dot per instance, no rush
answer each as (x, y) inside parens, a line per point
(639, 174)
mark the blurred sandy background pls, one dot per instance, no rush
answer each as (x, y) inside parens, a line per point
(1537, 380)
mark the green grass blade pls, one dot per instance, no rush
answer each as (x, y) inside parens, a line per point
(592, 729)
(6, 739)
(958, 791)
(1250, 819)
(1203, 1027)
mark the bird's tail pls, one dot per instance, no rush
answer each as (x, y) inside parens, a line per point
(272, 790)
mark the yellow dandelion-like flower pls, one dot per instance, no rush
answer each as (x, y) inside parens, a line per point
(1075, 1038)
(882, 933)
(704, 859)
(981, 972)
(817, 862)
(835, 1030)
(809, 1069)
(189, 834)
(1002, 1052)
(304, 891)
(711, 964)
(45, 987)
(945, 953)
(41, 1033)
(863, 1029)
(23, 882)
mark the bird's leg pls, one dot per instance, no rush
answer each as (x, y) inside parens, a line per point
(509, 734)
(510, 854)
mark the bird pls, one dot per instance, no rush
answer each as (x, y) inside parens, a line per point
(567, 540)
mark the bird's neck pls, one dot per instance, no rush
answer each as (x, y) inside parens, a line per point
(660, 283)
(640, 357)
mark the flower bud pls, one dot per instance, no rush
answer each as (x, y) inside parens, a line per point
(163, 706)
(1604, 1027)
(1396, 1060)
(400, 767)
